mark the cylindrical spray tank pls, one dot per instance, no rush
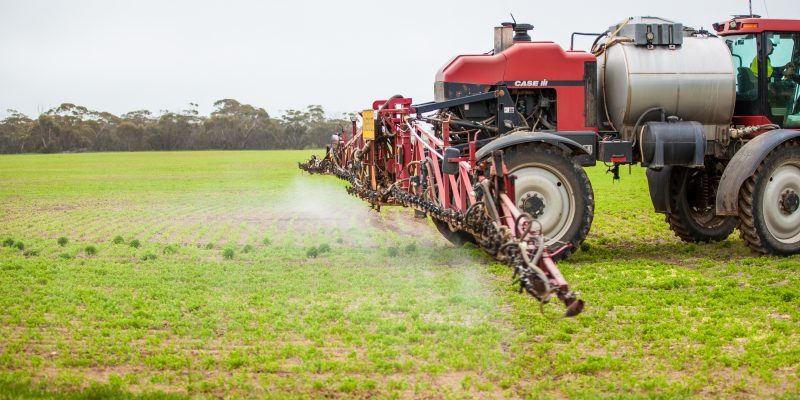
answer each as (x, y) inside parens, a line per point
(688, 75)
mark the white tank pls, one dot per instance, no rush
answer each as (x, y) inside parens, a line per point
(694, 80)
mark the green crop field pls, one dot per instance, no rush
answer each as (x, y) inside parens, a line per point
(233, 274)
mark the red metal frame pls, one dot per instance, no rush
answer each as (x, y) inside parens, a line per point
(413, 144)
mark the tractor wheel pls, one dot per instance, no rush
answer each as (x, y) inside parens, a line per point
(693, 193)
(555, 191)
(458, 238)
(768, 203)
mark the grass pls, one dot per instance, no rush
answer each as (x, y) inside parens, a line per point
(384, 308)
(90, 250)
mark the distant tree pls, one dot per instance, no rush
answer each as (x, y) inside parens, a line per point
(130, 135)
(295, 127)
(231, 125)
(15, 133)
(103, 135)
(139, 117)
(131, 131)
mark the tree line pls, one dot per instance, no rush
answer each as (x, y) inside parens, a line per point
(230, 126)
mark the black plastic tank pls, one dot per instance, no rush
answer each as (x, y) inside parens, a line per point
(679, 143)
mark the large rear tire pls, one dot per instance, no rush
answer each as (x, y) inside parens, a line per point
(769, 203)
(555, 191)
(693, 193)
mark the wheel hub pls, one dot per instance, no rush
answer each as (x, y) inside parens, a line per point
(541, 191)
(780, 203)
(533, 204)
(790, 201)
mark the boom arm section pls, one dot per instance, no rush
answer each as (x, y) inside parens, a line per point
(395, 160)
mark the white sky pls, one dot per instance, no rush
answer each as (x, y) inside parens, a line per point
(142, 54)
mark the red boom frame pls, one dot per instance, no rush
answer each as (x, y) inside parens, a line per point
(410, 146)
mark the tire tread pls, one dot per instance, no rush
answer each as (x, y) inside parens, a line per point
(747, 221)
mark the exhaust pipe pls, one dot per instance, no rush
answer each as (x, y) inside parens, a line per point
(509, 33)
(503, 36)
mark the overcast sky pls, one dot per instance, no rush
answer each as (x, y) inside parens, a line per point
(140, 54)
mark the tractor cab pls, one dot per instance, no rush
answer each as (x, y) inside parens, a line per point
(766, 57)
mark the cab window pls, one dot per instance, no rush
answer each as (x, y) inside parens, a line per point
(783, 50)
(744, 50)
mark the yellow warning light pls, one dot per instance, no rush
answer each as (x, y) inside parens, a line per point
(368, 128)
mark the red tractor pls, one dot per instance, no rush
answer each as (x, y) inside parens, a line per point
(497, 158)
(713, 117)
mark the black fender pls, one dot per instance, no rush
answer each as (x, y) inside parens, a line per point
(658, 182)
(513, 139)
(743, 164)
